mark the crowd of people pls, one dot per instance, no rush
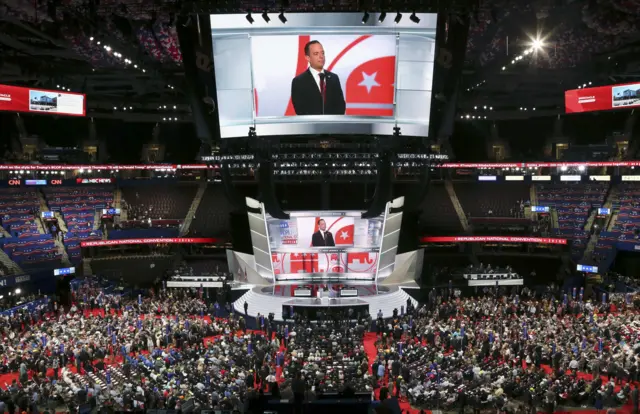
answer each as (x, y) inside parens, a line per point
(515, 351)
(169, 349)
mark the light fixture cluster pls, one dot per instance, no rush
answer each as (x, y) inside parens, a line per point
(124, 108)
(536, 45)
(63, 88)
(584, 85)
(468, 116)
(126, 61)
(524, 108)
(29, 172)
(479, 109)
(265, 17)
(518, 58)
(168, 107)
(477, 85)
(383, 15)
(170, 119)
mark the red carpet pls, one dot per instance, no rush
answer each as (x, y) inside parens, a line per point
(372, 353)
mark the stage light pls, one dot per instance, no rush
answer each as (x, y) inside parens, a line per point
(18, 291)
(383, 16)
(250, 18)
(398, 17)
(282, 18)
(414, 18)
(115, 108)
(365, 18)
(504, 68)
(174, 107)
(91, 38)
(537, 44)
(164, 119)
(265, 17)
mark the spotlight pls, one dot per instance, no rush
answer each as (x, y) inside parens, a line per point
(414, 18)
(537, 44)
(365, 17)
(398, 17)
(265, 17)
(383, 16)
(282, 18)
(91, 38)
(250, 18)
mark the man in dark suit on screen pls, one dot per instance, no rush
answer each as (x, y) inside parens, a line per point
(322, 237)
(317, 91)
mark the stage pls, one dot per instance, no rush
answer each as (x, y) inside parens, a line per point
(272, 299)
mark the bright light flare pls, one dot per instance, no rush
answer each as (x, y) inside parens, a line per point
(537, 44)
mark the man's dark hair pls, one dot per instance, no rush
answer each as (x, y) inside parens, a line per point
(320, 221)
(308, 45)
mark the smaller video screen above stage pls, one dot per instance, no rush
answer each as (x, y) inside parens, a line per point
(324, 230)
(362, 263)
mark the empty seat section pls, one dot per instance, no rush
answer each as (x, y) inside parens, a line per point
(212, 216)
(438, 214)
(166, 201)
(573, 203)
(26, 245)
(626, 229)
(492, 199)
(141, 270)
(18, 209)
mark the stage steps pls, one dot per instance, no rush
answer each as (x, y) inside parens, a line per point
(262, 304)
(388, 302)
(265, 304)
(186, 224)
(448, 185)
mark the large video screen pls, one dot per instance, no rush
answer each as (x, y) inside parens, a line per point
(324, 242)
(323, 73)
(18, 99)
(602, 98)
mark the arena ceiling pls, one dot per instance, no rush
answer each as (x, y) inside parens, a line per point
(579, 43)
(53, 44)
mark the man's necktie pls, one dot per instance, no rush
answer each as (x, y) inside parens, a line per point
(325, 238)
(323, 89)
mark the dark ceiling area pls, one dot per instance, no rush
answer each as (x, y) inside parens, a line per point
(125, 55)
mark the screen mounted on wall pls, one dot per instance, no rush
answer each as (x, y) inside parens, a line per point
(19, 99)
(602, 98)
(323, 73)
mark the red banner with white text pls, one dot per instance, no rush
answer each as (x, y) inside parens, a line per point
(498, 239)
(602, 98)
(19, 99)
(175, 240)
